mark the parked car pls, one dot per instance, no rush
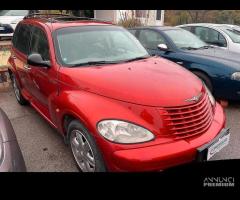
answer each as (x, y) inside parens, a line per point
(11, 159)
(225, 36)
(218, 68)
(8, 21)
(119, 108)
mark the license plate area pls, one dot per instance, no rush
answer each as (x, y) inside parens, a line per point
(208, 150)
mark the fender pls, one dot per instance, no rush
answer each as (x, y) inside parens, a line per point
(91, 108)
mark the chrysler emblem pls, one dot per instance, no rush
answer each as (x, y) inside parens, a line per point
(195, 98)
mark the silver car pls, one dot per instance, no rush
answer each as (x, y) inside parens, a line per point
(225, 36)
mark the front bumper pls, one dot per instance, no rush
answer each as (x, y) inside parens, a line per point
(159, 157)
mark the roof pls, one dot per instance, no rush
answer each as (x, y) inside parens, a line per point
(162, 28)
(198, 24)
(61, 21)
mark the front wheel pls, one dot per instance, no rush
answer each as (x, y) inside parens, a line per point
(84, 149)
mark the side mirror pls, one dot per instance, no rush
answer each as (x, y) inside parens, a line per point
(163, 47)
(36, 59)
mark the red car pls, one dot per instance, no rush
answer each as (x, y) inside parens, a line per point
(118, 108)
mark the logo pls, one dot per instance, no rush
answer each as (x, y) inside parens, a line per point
(194, 99)
(218, 182)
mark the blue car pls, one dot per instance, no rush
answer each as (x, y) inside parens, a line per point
(218, 68)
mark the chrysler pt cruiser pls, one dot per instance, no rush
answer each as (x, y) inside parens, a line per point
(118, 108)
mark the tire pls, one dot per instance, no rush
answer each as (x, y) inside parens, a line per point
(84, 149)
(205, 79)
(17, 91)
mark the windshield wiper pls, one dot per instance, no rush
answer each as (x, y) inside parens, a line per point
(103, 62)
(189, 48)
(137, 58)
(206, 47)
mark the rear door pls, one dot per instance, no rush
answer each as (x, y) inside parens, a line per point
(19, 56)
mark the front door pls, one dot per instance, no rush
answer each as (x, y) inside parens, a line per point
(43, 80)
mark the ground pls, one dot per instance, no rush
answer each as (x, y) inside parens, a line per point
(43, 147)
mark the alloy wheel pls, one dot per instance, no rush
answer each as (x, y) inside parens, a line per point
(82, 151)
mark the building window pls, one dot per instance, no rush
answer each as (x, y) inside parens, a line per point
(141, 13)
(159, 15)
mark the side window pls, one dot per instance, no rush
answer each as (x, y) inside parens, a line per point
(14, 40)
(39, 43)
(150, 39)
(133, 31)
(211, 36)
(187, 28)
(22, 39)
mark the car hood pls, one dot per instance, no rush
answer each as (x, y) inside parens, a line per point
(219, 56)
(153, 82)
(10, 19)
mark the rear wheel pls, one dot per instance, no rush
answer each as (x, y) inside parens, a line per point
(205, 79)
(84, 149)
(17, 91)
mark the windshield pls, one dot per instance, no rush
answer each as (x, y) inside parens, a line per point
(184, 39)
(105, 44)
(232, 33)
(13, 12)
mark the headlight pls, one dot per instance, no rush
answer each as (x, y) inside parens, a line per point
(123, 132)
(211, 98)
(236, 76)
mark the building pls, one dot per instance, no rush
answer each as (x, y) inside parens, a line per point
(147, 17)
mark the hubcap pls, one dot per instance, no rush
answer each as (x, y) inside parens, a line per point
(82, 151)
(16, 89)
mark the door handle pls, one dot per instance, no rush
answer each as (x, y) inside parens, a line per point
(27, 67)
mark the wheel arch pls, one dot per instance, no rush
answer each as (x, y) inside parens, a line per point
(203, 72)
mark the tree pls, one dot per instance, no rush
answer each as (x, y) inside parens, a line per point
(133, 18)
(197, 15)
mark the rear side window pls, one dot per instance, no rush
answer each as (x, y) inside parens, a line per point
(39, 43)
(187, 28)
(15, 35)
(23, 38)
(133, 31)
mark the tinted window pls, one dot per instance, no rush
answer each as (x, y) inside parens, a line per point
(210, 36)
(187, 28)
(23, 37)
(14, 40)
(150, 39)
(39, 43)
(133, 31)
